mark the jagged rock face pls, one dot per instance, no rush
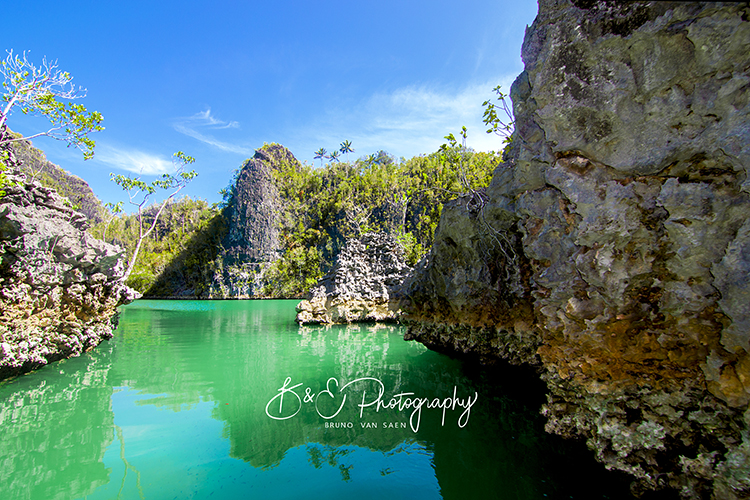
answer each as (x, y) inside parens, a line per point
(626, 200)
(253, 216)
(361, 286)
(466, 294)
(59, 286)
(33, 162)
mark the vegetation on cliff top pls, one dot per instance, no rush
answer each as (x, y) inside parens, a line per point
(322, 207)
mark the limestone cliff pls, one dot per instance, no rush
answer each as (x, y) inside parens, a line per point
(59, 286)
(613, 249)
(252, 219)
(34, 164)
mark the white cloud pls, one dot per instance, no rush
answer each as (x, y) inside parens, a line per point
(205, 118)
(133, 161)
(192, 126)
(412, 120)
(212, 141)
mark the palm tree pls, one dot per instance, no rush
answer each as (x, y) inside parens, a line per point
(346, 147)
(320, 154)
(334, 156)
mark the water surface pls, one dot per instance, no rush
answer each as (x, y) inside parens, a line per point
(180, 404)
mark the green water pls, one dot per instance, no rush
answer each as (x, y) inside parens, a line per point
(180, 404)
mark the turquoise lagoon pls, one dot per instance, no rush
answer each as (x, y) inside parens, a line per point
(231, 399)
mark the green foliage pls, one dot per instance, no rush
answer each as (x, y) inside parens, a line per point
(294, 274)
(139, 192)
(321, 208)
(346, 148)
(42, 90)
(4, 181)
(187, 232)
(324, 206)
(134, 186)
(502, 124)
(413, 250)
(320, 154)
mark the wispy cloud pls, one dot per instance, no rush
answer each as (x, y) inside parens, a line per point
(412, 120)
(204, 118)
(194, 126)
(133, 161)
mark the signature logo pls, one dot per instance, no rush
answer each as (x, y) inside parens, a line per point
(291, 399)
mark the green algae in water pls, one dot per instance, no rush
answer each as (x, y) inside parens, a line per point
(179, 405)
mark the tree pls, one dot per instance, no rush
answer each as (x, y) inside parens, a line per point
(38, 90)
(334, 156)
(113, 210)
(136, 187)
(346, 147)
(502, 127)
(320, 154)
(382, 158)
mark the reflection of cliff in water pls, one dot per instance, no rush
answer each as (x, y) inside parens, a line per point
(238, 354)
(345, 353)
(56, 428)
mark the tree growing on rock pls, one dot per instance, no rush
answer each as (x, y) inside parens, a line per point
(139, 193)
(41, 90)
(503, 124)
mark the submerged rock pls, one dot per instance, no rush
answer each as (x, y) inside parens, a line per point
(361, 286)
(59, 286)
(612, 251)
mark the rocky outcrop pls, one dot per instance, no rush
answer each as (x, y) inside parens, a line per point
(252, 218)
(361, 286)
(34, 164)
(59, 286)
(612, 248)
(468, 294)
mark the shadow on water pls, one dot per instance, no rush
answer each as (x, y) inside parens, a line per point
(571, 471)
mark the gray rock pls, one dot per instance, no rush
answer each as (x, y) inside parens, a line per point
(252, 217)
(362, 285)
(59, 286)
(626, 205)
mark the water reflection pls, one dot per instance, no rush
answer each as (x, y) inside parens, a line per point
(56, 425)
(177, 405)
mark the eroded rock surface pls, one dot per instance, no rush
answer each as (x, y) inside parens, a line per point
(34, 164)
(612, 250)
(59, 286)
(361, 285)
(252, 242)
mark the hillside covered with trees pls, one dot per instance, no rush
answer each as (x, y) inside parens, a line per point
(318, 208)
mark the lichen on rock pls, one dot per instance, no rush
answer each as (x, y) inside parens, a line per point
(625, 198)
(59, 286)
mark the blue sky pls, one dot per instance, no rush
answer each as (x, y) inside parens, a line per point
(218, 79)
